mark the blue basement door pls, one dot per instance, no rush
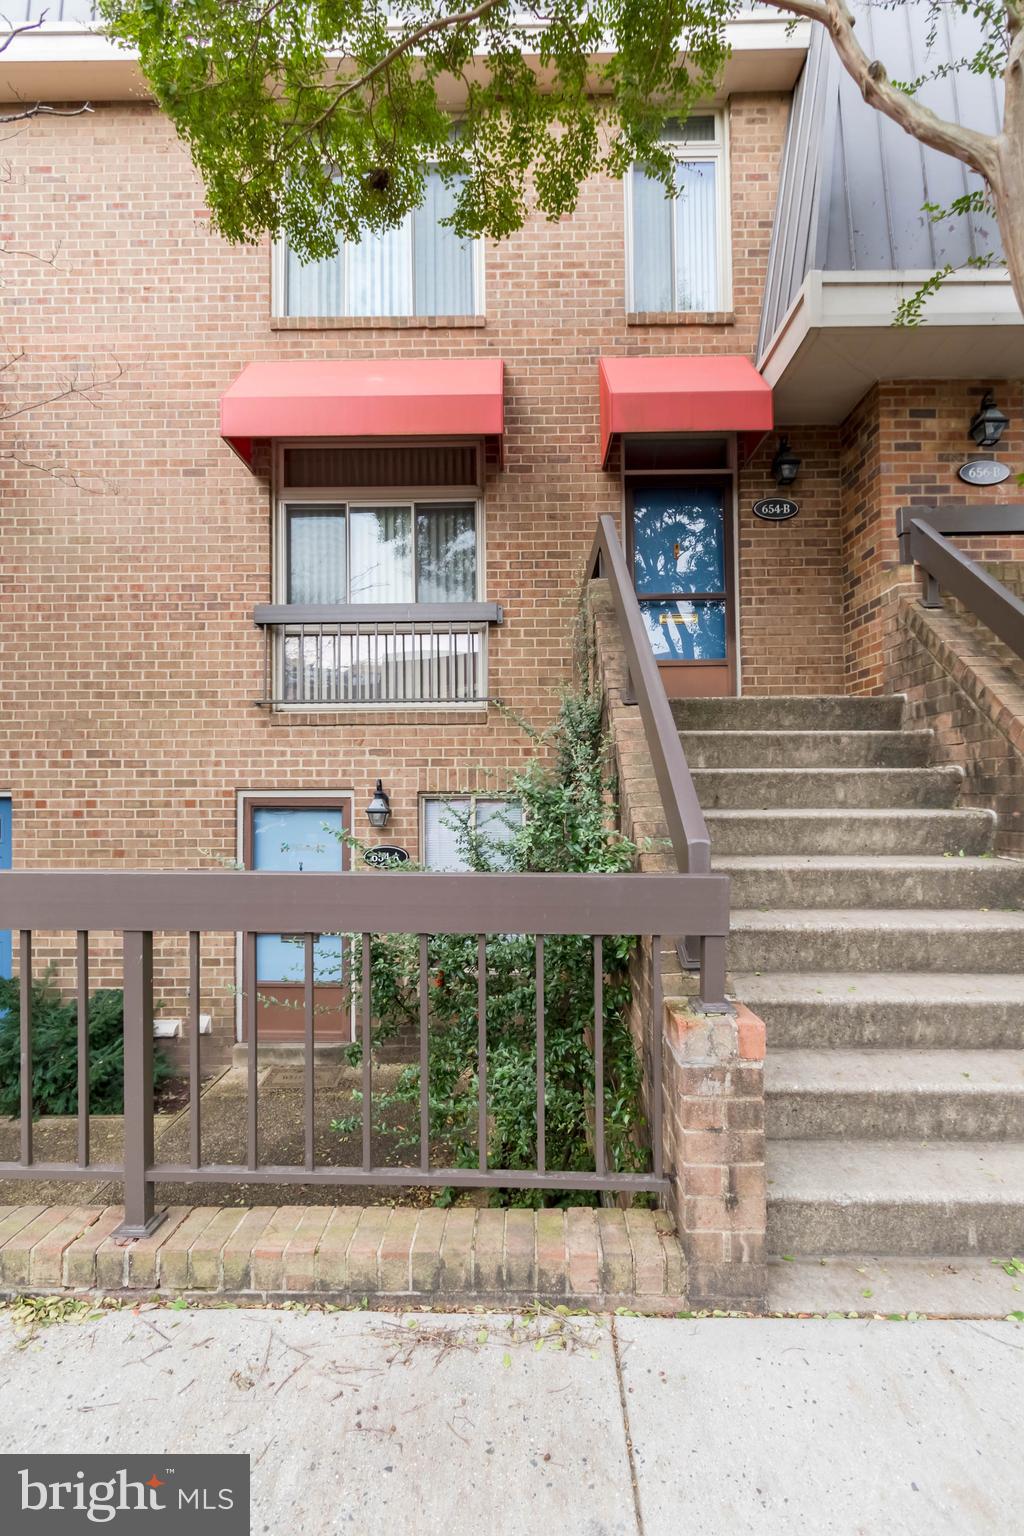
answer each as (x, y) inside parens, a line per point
(296, 839)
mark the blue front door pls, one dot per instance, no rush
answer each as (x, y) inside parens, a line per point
(681, 554)
(298, 838)
(5, 863)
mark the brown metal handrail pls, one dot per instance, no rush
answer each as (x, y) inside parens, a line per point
(687, 828)
(922, 541)
(142, 903)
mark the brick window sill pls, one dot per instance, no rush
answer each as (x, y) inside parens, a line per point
(376, 322)
(682, 317)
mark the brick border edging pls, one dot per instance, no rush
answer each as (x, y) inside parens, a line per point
(589, 1257)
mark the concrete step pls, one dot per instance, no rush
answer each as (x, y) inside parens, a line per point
(850, 831)
(806, 713)
(876, 939)
(848, 880)
(896, 1197)
(849, 1009)
(938, 1285)
(807, 749)
(926, 1095)
(826, 788)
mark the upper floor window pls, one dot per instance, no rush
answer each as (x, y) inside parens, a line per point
(421, 268)
(678, 246)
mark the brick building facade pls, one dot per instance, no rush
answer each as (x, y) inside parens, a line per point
(137, 545)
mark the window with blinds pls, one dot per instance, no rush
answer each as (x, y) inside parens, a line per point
(421, 268)
(409, 552)
(449, 822)
(679, 244)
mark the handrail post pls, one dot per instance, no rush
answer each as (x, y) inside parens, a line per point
(931, 597)
(139, 1217)
(712, 976)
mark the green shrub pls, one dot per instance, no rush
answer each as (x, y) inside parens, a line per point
(55, 1051)
(568, 804)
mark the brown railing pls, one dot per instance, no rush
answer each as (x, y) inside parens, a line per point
(686, 825)
(923, 542)
(386, 653)
(200, 903)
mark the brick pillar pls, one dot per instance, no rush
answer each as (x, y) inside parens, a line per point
(714, 1145)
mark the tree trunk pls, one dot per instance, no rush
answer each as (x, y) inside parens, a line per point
(1008, 185)
(1008, 199)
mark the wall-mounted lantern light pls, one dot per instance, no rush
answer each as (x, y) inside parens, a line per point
(378, 812)
(785, 465)
(988, 426)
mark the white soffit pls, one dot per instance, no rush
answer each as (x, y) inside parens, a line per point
(71, 62)
(838, 339)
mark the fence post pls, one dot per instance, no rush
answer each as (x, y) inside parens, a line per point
(139, 1218)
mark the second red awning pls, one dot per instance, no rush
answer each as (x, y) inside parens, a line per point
(353, 397)
(682, 394)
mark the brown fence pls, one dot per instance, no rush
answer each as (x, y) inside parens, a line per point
(140, 904)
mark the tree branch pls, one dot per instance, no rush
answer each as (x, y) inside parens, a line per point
(40, 109)
(28, 26)
(978, 150)
(63, 473)
(71, 389)
(429, 28)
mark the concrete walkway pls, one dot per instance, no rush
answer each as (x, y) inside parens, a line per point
(371, 1423)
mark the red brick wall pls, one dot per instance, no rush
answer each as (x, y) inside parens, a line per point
(902, 447)
(973, 701)
(791, 615)
(128, 579)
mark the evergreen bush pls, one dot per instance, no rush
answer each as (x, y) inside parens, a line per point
(55, 1050)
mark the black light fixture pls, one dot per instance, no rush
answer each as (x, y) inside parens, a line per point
(378, 812)
(785, 465)
(988, 426)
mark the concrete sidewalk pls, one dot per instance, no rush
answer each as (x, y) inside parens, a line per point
(371, 1423)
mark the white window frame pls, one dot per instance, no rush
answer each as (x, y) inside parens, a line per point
(450, 798)
(368, 496)
(279, 286)
(715, 152)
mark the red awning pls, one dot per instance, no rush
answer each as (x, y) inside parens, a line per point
(434, 397)
(682, 394)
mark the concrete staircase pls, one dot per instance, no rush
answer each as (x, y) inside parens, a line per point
(883, 944)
